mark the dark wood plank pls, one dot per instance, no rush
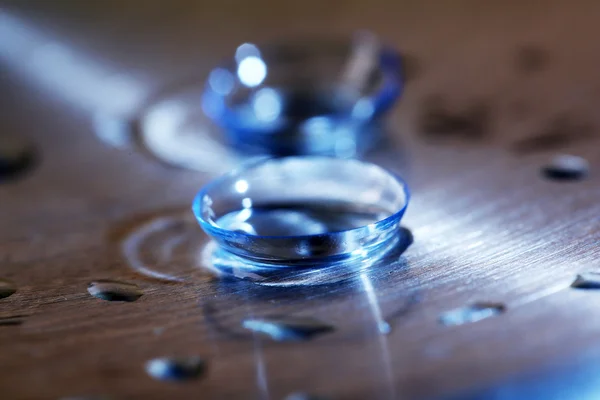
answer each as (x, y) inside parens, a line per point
(487, 226)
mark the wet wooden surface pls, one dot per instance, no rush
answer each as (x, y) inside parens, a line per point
(511, 84)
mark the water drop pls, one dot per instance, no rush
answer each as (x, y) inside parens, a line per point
(472, 313)
(176, 369)
(7, 288)
(17, 156)
(282, 328)
(13, 320)
(587, 280)
(566, 167)
(111, 290)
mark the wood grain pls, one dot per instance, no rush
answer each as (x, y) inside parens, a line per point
(487, 226)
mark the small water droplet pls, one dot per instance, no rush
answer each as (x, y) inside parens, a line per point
(17, 156)
(587, 280)
(12, 320)
(288, 328)
(472, 313)
(7, 288)
(176, 369)
(566, 167)
(304, 396)
(86, 398)
(111, 290)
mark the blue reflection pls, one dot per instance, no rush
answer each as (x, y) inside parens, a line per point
(363, 109)
(246, 50)
(345, 147)
(252, 71)
(221, 81)
(318, 126)
(576, 379)
(241, 186)
(267, 104)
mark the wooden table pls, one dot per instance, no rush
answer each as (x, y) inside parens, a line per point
(487, 226)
